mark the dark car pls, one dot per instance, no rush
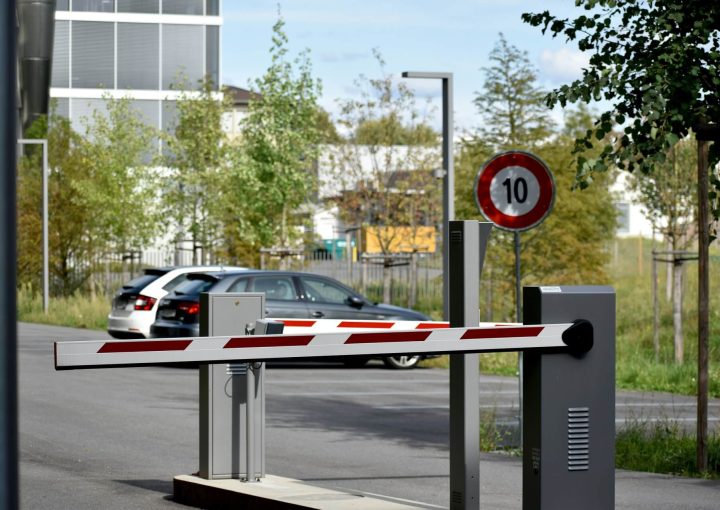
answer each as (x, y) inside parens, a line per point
(287, 295)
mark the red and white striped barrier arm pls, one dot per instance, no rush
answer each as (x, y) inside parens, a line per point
(327, 325)
(105, 353)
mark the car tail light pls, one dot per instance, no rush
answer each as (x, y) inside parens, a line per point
(144, 303)
(189, 307)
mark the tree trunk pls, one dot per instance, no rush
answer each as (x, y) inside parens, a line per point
(412, 291)
(669, 276)
(363, 275)
(677, 312)
(387, 280)
(703, 305)
(656, 310)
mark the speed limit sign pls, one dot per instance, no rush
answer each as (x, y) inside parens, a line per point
(515, 190)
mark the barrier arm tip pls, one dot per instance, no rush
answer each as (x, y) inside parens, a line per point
(579, 336)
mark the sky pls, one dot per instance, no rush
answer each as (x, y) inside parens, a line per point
(454, 36)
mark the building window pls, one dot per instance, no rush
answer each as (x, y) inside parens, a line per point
(61, 107)
(142, 6)
(61, 55)
(183, 53)
(212, 59)
(92, 54)
(194, 7)
(138, 46)
(623, 218)
(83, 111)
(212, 7)
(94, 5)
(62, 5)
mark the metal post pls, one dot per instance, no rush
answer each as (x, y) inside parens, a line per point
(468, 241)
(45, 249)
(518, 300)
(448, 167)
(518, 318)
(8, 307)
(250, 424)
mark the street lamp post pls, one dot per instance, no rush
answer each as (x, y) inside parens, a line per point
(45, 249)
(464, 372)
(448, 168)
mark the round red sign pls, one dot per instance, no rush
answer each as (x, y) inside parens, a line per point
(515, 190)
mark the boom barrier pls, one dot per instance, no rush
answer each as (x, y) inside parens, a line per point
(223, 349)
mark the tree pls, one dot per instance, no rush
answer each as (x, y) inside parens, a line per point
(510, 101)
(279, 141)
(383, 175)
(100, 193)
(197, 159)
(668, 195)
(121, 150)
(69, 217)
(658, 65)
(569, 246)
(390, 129)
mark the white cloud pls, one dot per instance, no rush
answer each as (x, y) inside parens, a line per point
(563, 64)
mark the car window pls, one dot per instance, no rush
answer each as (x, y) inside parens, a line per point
(240, 285)
(141, 281)
(320, 290)
(170, 286)
(194, 286)
(275, 287)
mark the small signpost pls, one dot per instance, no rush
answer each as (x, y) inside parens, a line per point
(515, 190)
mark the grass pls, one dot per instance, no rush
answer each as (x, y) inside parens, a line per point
(663, 447)
(77, 311)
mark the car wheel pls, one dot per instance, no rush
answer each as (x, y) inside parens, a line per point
(401, 362)
(355, 362)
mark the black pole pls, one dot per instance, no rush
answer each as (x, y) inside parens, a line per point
(8, 326)
(518, 304)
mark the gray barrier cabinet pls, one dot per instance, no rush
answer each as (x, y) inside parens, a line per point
(224, 430)
(569, 404)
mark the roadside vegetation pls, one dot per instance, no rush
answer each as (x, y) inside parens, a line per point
(663, 447)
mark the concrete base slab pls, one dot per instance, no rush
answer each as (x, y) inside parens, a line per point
(272, 493)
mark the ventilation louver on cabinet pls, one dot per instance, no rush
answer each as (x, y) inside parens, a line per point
(578, 438)
(236, 368)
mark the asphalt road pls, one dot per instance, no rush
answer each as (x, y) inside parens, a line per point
(115, 438)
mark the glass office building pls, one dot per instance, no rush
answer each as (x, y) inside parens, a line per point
(141, 49)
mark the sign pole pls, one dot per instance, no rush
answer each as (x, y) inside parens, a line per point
(515, 190)
(518, 307)
(518, 318)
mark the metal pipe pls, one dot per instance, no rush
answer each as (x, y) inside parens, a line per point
(9, 498)
(250, 424)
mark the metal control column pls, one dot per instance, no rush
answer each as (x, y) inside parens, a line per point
(225, 437)
(569, 405)
(468, 240)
